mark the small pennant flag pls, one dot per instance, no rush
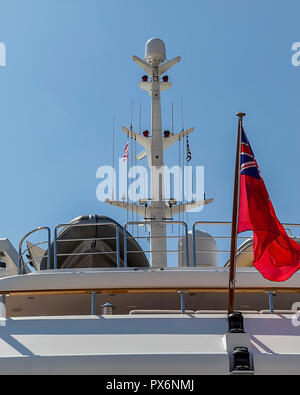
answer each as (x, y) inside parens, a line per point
(188, 151)
(126, 152)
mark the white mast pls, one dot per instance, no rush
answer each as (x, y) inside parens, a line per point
(155, 65)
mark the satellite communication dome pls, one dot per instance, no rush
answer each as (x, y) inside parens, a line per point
(155, 50)
(206, 250)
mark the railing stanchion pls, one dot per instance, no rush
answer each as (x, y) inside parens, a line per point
(182, 301)
(194, 246)
(49, 249)
(187, 253)
(19, 259)
(118, 245)
(55, 248)
(125, 245)
(271, 295)
(93, 300)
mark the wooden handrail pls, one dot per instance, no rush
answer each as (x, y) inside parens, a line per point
(146, 290)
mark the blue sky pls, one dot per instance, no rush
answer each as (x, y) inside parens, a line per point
(69, 69)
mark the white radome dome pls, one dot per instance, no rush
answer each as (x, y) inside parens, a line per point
(206, 250)
(155, 49)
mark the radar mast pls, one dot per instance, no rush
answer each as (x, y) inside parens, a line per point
(156, 210)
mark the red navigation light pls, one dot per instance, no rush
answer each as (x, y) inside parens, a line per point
(146, 133)
(166, 133)
(145, 78)
(165, 78)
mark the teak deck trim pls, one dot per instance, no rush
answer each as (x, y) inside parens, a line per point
(143, 290)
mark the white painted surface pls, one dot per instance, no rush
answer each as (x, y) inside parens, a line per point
(179, 344)
(10, 258)
(111, 344)
(104, 278)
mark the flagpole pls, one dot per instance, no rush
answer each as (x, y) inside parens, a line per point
(236, 193)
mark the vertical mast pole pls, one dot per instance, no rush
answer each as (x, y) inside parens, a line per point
(236, 193)
(158, 240)
(155, 65)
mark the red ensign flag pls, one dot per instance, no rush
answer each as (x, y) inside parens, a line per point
(276, 255)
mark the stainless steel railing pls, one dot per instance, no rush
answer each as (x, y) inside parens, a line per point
(21, 263)
(287, 227)
(117, 238)
(127, 236)
(145, 223)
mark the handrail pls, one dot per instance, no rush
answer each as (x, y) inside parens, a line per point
(229, 223)
(225, 237)
(153, 290)
(157, 222)
(20, 258)
(117, 226)
(21, 263)
(35, 245)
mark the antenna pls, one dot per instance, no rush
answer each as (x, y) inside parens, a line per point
(172, 115)
(131, 118)
(182, 113)
(113, 155)
(140, 118)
